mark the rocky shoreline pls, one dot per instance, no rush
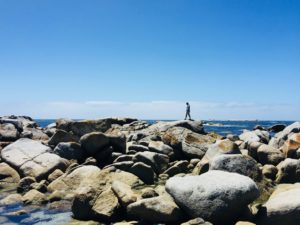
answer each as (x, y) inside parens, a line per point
(126, 171)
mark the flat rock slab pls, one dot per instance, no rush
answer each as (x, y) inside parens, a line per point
(31, 158)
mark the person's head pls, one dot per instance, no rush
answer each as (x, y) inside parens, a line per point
(187, 103)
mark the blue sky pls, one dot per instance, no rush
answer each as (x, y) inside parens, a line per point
(235, 59)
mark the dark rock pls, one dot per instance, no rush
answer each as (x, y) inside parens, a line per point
(94, 142)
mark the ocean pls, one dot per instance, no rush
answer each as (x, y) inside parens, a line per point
(222, 127)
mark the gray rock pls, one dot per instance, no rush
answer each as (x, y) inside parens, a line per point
(106, 206)
(8, 132)
(94, 142)
(35, 134)
(143, 171)
(158, 162)
(31, 158)
(124, 193)
(269, 155)
(70, 150)
(25, 184)
(216, 196)
(277, 128)
(221, 147)
(288, 171)
(34, 197)
(270, 171)
(236, 163)
(191, 144)
(149, 193)
(160, 147)
(11, 200)
(178, 167)
(197, 221)
(138, 148)
(8, 176)
(158, 209)
(282, 136)
(282, 208)
(55, 174)
(62, 136)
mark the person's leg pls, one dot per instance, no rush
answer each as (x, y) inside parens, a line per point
(186, 114)
(190, 116)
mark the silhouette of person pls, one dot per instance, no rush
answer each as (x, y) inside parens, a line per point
(188, 111)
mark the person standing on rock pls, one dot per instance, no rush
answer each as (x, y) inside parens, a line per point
(188, 111)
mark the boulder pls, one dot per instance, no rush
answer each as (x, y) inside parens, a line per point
(197, 221)
(70, 150)
(83, 202)
(137, 148)
(277, 128)
(191, 144)
(178, 167)
(158, 209)
(8, 132)
(216, 196)
(143, 171)
(160, 147)
(34, 134)
(149, 193)
(94, 142)
(80, 128)
(118, 142)
(8, 176)
(123, 158)
(269, 155)
(11, 199)
(282, 208)
(269, 171)
(288, 171)
(282, 136)
(236, 163)
(124, 193)
(62, 136)
(158, 162)
(106, 206)
(291, 146)
(25, 184)
(221, 147)
(80, 177)
(55, 174)
(85, 176)
(31, 158)
(34, 197)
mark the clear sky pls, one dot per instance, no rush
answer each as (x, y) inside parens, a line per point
(233, 59)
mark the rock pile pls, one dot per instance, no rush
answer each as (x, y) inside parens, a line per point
(122, 169)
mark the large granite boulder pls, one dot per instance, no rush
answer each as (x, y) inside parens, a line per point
(31, 158)
(236, 163)
(80, 128)
(291, 146)
(94, 143)
(255, 136)
(92, 176)
(158, 162)
(8, 132)
(282, 136)
(70, 150)
(8, 176)
(124, 193)
(216, 196)
(190, 144)
(160, 147)
(221, 147)
(282, 208)
(34, 134)
(157, 209)
(62, 136)
(267, 154)
(288, 171)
